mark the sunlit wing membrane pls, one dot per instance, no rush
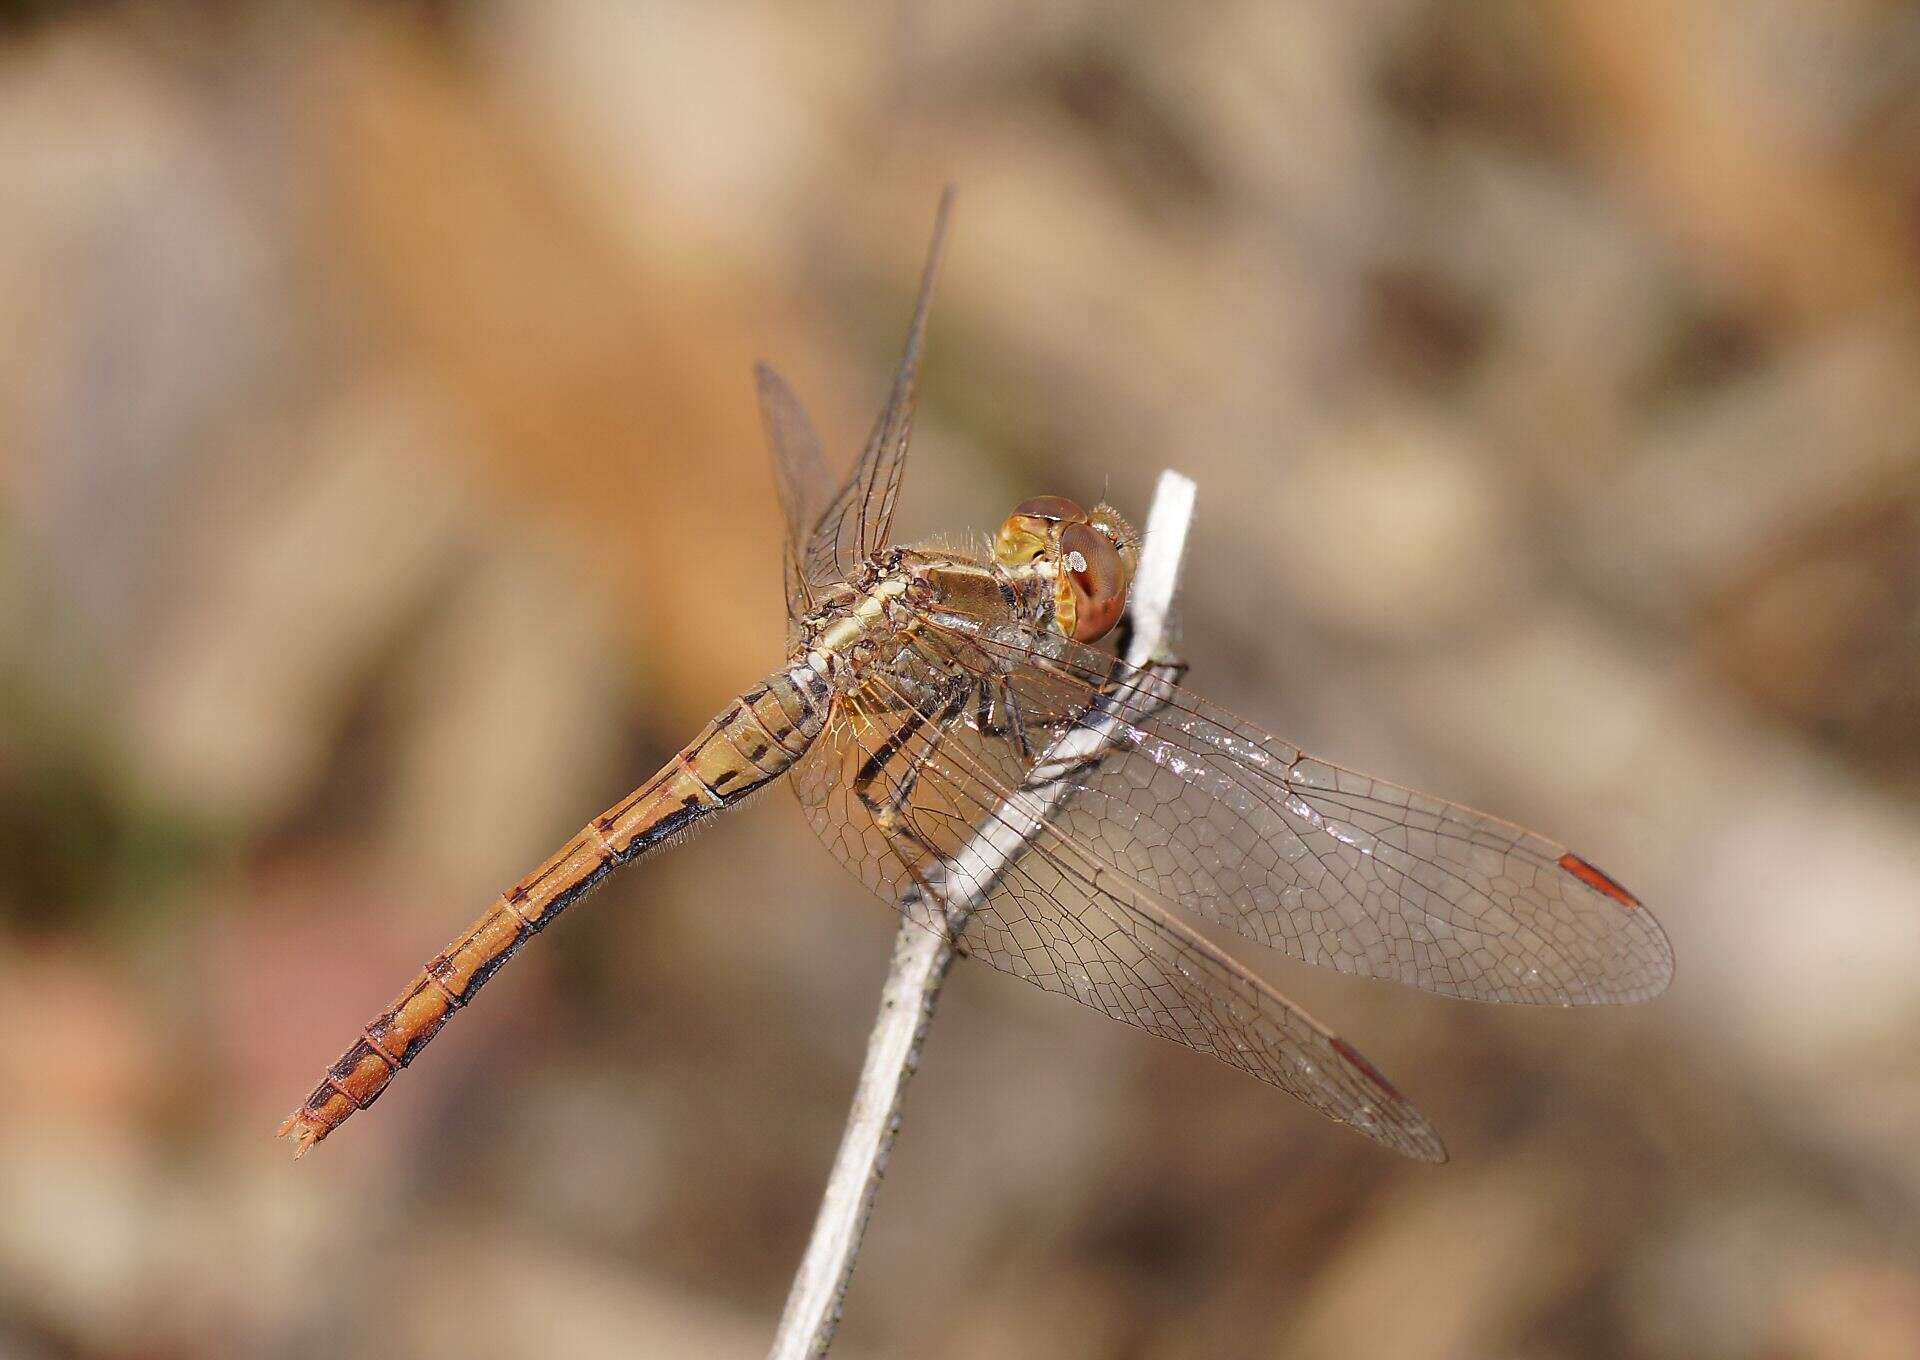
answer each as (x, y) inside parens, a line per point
(799, 472)
(855, 523)
(1064, 917)
(1335, 868)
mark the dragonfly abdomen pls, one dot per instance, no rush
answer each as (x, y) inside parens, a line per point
(753, 741)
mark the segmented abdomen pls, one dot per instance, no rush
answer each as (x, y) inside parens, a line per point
(754, 741)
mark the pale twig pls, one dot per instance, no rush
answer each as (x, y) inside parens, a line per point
(921, 957)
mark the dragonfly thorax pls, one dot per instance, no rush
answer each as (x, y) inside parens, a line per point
(872, 617)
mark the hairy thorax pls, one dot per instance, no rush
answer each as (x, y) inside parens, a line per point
(903, 593)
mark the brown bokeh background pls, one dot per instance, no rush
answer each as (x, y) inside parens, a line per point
(381, 495)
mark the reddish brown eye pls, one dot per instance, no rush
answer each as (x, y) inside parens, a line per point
(1027, 534)
(1051, 507)
(1098, 576)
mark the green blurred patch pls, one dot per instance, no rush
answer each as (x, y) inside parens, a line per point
(80, 848)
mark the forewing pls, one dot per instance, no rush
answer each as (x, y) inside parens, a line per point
(1335, 868)
(799, 473)
(855, 523)
(1058, 915)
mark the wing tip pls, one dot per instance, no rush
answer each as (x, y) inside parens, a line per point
(1654, 975)
(1661, 977)
(1406, 1130)
(1409, 1133)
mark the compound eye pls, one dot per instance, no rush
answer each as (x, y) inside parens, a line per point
(1098, 576)
(1054, 508)
(1026, 536)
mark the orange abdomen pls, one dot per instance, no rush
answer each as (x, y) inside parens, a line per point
(751, 743)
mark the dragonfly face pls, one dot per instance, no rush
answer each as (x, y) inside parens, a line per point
(1090, 556)
(934, 703)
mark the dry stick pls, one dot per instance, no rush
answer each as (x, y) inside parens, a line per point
(921, 957)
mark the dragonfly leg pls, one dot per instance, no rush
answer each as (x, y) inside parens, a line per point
(1017, 721)
(1012, 724)
(890, 750)
(890, 812)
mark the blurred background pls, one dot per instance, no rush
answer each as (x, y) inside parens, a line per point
(381, 495)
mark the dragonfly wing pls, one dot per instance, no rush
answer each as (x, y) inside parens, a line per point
(855, 523)
(799, 472)
(1336, 868)
(1060, 915)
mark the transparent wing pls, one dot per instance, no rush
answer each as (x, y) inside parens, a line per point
(855, 523)
(800, 474)
(1335, 868)
(1061, 916)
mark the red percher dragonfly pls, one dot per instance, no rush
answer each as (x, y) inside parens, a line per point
(927, 690)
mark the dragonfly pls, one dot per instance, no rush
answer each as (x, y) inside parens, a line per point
(927, 690)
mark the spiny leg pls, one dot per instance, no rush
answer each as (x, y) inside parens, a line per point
(890, 814)
(1010, 700)
(1012, 724)
(890, 811)
(888, 751)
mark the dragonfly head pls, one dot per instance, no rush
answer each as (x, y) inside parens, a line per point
(1089, 554)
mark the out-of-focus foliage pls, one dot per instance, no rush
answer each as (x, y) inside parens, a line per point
(381, 494)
